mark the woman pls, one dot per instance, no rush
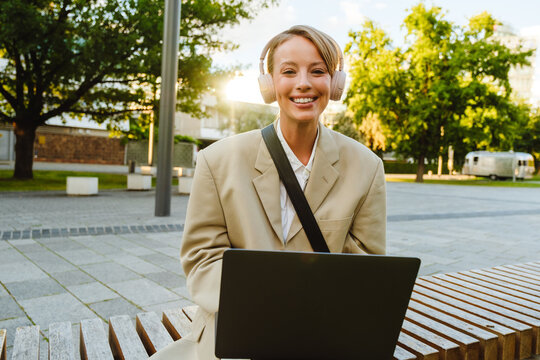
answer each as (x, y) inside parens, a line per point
(237, 200)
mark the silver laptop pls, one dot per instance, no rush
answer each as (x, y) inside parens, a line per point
(277, 305)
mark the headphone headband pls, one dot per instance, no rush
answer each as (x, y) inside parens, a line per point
(265, 50)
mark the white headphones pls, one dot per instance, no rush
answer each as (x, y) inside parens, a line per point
(266, 83)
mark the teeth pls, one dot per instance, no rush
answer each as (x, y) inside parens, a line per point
(302, 100)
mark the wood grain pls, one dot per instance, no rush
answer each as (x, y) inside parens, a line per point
(94, 344)
(61, 342)
(152, 332)
(26, 345)
(124, 340)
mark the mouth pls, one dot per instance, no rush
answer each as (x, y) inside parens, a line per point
(303, 100)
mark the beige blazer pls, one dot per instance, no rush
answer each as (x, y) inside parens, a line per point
(235, 203)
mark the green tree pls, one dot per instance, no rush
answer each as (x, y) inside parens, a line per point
(102, 60)
(424, 94)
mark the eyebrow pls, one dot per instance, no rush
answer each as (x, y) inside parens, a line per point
(295, 64)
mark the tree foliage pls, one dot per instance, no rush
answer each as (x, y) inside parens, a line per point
(102, 59)
(448, 85)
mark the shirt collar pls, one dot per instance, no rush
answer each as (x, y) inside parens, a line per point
(295, 163)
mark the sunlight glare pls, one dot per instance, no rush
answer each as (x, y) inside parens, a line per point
(244, 88)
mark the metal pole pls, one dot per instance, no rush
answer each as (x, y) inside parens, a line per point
(151, 140)
(167, 106)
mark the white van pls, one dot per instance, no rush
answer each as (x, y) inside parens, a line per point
(499, 164)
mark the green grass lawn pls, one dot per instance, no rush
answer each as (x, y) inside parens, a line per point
(478, 182)
(45, 180)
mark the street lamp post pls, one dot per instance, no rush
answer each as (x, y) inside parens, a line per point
(167, 106)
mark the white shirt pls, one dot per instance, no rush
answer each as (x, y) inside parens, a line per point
(302, 174)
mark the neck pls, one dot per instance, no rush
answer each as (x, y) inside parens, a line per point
(300, 137)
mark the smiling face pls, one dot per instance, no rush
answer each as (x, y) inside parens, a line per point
(301, 81)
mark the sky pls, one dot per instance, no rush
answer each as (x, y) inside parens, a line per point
(337, 18)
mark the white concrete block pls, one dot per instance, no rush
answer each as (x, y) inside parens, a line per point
(184, 184)
(80, 185)
(148, 170)
(184, 171)
(139, 182)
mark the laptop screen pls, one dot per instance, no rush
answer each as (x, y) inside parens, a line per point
(298, 305)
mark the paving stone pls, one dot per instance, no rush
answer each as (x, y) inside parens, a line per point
(65, 245)
(10, 308)
(10, 255)
(30, 289)
(74, 277)
(92, 292)
(159, 308)
(49, 261)
(139, 250)
(56, 308)
(118, 306)
(109, 272)
(168, 279)
(165, 262)
(142, 267)
(143, 292)
(26, 246)
(182, 291)
(20, 271)
(82, 257)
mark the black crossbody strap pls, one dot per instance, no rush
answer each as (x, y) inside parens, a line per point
(298, 199)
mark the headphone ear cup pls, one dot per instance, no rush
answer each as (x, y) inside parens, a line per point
(337, 85)
(266, 85)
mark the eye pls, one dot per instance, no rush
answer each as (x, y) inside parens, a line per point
(319, 71)
(288, 72)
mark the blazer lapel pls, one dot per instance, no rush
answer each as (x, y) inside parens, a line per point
(267, 187)
(323, 175)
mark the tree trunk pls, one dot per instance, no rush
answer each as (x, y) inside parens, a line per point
(24, 152)
(420, 170)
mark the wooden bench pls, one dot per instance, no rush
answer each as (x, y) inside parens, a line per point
(490, 314)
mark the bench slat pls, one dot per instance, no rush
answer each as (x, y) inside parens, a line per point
(526, 268)
(487, 340)
(481, 304)
(469, 347)
(521, 275)
(523, 332)
(152, 332)
(3, 344)
(190, 311)
(503, 281)
(419, 348)
(61, 341)
(176, 323)
(533, 264)
(448, 350)
(26, 345)
(515, 274)
(124, 340)
(94, 344)
(485, 297)
(402, 354)
(479, 290)
(496, 287)
(506, 336)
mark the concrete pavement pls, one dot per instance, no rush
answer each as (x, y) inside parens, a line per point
(69, 258)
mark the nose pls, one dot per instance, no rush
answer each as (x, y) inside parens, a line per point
(303, 81)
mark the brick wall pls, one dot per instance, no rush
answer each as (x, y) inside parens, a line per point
(75, 148)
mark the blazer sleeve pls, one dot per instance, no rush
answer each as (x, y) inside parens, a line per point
(205, 239)
(368, 229)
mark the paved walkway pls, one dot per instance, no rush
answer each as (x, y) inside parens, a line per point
(69, 258)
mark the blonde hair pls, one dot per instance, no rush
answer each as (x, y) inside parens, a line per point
(327, 47)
